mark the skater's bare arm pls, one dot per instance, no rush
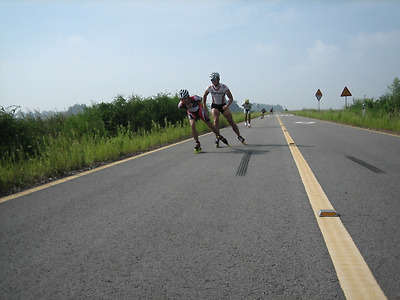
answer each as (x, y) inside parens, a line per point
(229, 94)
(205, 100)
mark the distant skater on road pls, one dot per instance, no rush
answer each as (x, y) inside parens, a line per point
(247, 112)
(195, 110)
(263, 111)
(219, 106)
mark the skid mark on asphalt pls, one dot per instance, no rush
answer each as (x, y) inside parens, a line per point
(354, 275)
(244, 164)
(366, 165)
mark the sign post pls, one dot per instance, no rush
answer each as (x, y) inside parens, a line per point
(318, 94)
(345, 93)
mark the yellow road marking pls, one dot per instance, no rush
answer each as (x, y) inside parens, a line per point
(44, 186)
(354, 275)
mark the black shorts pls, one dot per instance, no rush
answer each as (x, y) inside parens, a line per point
(219, 107)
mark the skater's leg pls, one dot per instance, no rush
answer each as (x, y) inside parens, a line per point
(229, 118)
(215, 113)
(213, 128)
(194, 129)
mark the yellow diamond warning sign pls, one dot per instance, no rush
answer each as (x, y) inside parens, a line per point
(318, 94)
(345, 92)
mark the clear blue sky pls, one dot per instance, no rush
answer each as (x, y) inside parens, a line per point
(54, 54)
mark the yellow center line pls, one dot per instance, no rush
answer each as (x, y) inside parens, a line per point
(354, 275)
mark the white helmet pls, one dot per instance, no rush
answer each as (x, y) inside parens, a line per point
(183, 94)
(214, 76)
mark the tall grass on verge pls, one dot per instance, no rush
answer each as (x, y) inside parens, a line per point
(371, 120)
(380, 114)
(64, 154)
(61, 155)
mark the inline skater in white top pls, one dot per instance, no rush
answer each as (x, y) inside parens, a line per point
(247, 112)
(218, 91)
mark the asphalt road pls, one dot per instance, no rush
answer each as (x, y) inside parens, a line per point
(229, 223)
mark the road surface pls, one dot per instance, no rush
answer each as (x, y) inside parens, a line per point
(229, 223)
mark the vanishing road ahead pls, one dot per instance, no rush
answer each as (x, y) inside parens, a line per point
(229, 223)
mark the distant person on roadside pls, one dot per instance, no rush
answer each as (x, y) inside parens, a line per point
(263, 111)
(195, 111)
(219, 106)
(271, 111)
(247, 112)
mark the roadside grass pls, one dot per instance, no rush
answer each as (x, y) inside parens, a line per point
(65, 155)
(376, 120)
